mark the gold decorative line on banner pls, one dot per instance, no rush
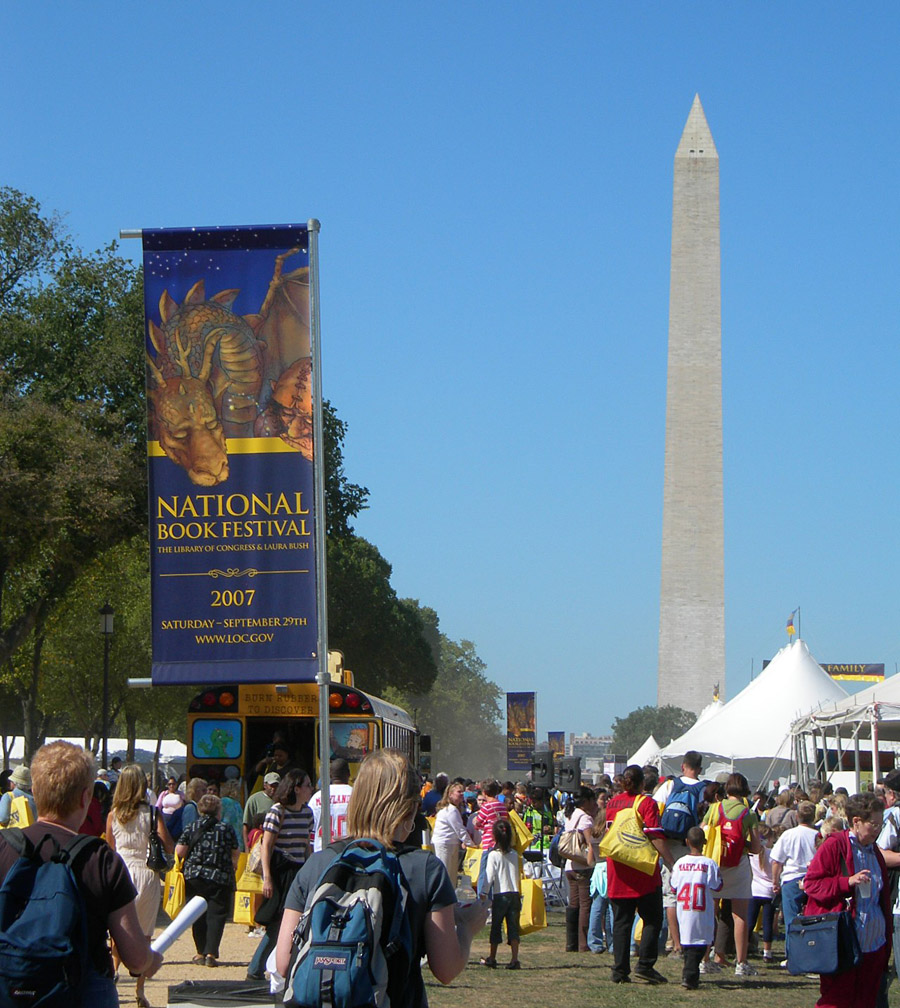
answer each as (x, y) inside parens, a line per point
(239, 446)
(234, 572)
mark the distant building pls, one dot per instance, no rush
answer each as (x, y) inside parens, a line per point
(593, 747)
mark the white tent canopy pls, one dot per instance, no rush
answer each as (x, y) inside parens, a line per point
(648, 752)
(171, 752)
(879, 702)
(752, 732)
(856, 723)
(708, 711)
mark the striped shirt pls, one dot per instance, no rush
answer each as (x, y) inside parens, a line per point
(485, 817)
(293, 830)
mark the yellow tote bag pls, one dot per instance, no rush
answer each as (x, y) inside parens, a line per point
(472, 864)
(243, 908)
(713, 847)
(626, 842)
(523, 838)
(533, 916)
(174, 889)
(20, 813)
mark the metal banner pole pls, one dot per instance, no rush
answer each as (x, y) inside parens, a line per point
(322, 677)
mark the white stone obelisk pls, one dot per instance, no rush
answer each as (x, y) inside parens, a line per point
(692, 599)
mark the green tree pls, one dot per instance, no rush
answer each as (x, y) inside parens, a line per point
(380, 635)
(663, 723)
(72, 477)
(343, 499)
(462, 709)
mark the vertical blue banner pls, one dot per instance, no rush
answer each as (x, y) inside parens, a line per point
(230, 454)
(520, 730)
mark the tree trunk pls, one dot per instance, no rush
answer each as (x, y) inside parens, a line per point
(156, 775)
(32, 721)
(130, 733)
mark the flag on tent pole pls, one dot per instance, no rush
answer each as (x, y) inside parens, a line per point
(790, 624)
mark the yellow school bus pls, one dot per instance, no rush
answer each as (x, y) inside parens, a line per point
(235, 726)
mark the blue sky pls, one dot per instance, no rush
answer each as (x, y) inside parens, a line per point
(494, 185)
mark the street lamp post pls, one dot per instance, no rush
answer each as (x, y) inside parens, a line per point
(106, 628)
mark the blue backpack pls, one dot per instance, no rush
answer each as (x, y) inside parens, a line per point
(353, 945)
(680, 811)
(43, 925)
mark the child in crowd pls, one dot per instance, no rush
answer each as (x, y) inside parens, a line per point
(763, 892)
(835, 824)
(254, 834)
(694, 879)
(506, 900)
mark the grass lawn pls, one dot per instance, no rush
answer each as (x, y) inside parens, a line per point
(550, 976)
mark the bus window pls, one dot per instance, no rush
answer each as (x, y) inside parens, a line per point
(351, 740)
(216, 738)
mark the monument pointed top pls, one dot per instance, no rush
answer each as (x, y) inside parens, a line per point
(696, 139)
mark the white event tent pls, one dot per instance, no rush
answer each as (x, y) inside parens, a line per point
(648, 752)
(871, 716)
(751, 733)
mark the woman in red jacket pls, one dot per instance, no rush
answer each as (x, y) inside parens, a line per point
(849, 865)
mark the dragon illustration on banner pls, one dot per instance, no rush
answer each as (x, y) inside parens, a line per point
(218, 374)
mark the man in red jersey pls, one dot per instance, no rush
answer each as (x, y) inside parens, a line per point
(630, 890)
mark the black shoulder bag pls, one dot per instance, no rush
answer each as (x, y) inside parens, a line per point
(156, 856)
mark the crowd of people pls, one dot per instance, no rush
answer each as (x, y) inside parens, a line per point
(713, 858)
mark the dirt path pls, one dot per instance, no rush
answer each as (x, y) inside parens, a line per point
(235, 953)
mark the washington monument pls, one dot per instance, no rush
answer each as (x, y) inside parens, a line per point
(692, 599)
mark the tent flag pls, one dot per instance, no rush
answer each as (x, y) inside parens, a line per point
(790, 624)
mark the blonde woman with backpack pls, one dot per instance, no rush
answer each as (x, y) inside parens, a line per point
(383, 807)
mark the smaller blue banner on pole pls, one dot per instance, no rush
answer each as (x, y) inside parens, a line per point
(520, 730)
(557, 742)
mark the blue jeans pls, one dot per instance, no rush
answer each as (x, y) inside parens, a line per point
(897, 945)
(99, 991)
(600, 925)
(266, 944)
(793, 900)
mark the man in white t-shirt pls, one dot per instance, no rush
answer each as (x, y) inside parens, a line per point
(691, 768)
(339, 796)
(693, 882)
(790, 858)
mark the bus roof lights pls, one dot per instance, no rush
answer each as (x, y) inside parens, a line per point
(335, 701)
(353, 700)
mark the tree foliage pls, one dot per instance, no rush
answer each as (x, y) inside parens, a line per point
(72, 478)
(381, 636)
(343, 499)
(663, 723)
(462, 709)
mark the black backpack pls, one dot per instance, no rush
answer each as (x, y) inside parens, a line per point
(44, 956)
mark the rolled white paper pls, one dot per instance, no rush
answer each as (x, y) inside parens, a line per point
(194, 908)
